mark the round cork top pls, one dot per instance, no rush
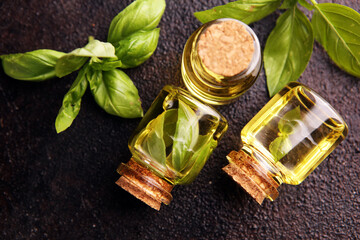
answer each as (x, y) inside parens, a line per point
(226, 48)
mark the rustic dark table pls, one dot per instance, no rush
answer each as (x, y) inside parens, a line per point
(61, 186)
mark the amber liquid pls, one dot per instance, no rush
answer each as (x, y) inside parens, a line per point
(315, 134)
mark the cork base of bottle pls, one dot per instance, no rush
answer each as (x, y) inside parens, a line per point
(144, 185)
(248, 173)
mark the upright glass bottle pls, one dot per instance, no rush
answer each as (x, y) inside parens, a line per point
(290, 136)
(170, 146)
(221, 60)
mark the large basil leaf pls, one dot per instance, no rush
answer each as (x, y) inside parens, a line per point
(140, 15)
(115, 92)
(153, 143)
(75, 59)
(36, 65)
(71, 102)
(280, 147)
(137, 48)
(288, 49)
(337, 29)
(204, 148)
(186, 136)
(247, 11)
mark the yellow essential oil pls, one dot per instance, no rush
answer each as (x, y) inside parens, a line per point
(170, 146)
(290, 136)
(219, 70)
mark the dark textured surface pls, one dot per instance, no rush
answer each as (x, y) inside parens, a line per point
(62, 186)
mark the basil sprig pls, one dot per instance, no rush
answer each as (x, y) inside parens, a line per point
(289, 46)
(173, 140)
(132, 39)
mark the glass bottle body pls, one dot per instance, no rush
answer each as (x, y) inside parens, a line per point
(291, 135)
(210, 87)
(177, 135)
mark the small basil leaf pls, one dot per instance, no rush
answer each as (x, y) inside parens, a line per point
(186, 135)
(153, 144)
(71, 102)
(75, 59)
(288, 4)
(288, 49)
(36, 65)
(247, 11)
(337, 28)
(288, 122)
(206, 145)
(280, 147)
(114, 92)
(137, 48)
(140, 15)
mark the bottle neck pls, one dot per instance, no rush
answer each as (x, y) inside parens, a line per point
(250, 174)
(144, 184)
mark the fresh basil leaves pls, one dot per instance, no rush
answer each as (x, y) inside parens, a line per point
(289, 46)
(71, 103)
(247, 11)
(337, 28)
(141, 15)
(38, 65)
(288, 49)
(114, 92)
(132, 39)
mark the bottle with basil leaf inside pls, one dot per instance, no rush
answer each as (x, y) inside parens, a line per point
(170, 146)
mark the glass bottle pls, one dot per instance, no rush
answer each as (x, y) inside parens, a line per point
(202, 54)
(170, 146)
(290, 136)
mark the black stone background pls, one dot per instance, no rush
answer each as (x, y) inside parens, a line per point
(62, 186)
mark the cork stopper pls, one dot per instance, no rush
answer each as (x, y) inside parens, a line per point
(226, 48)
(144, 185)
(247, 172)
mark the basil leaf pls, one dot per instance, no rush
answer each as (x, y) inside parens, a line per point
(140, 15)
(75, 59)
(137, 48)
(288, 49)
(71, 102)
(337, 29)
(206, 145)
(247, 11)
(280, 147)
(186, 135)
(36, 65)
(153, 143)
(170, 126)
(288, 4)
(288, 122)
(115, 93)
